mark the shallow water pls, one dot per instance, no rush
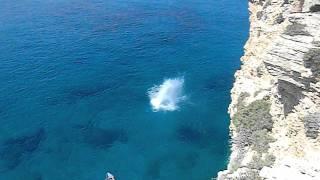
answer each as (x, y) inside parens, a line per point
(74, 83)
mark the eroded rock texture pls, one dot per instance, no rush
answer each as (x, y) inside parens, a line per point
(280, 79)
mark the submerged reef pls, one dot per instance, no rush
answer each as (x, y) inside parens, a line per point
(183, 161)
(192, 135)
(101, 138)
(14, 150)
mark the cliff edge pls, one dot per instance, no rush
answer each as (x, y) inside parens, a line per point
(275, 108)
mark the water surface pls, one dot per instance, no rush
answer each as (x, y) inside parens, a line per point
(74, 82)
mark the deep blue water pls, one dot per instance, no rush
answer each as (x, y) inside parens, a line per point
(74, 77)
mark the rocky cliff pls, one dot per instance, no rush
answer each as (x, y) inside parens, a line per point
(275, 108)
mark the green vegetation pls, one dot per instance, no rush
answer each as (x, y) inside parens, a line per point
(251, 175)
(253, 117)
(241, 98)
(258, 162)
(261, 140)
(253, 124)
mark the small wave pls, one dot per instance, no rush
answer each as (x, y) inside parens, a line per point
(168, 95)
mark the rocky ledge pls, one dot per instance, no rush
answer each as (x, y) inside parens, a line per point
(275, 108)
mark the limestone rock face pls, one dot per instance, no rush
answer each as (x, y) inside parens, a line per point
(275, 108)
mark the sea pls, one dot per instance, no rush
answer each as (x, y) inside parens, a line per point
(137, 88)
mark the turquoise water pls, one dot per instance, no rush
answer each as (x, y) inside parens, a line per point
(75, 79)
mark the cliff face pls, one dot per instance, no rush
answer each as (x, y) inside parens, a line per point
(275, 108)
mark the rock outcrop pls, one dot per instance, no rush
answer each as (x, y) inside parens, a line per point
(275, 108)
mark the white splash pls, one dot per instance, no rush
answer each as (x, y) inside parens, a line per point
(168, 95)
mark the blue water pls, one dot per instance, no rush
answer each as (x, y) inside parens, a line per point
(74, 81)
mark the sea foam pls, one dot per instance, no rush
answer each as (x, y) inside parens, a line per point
(168, 95)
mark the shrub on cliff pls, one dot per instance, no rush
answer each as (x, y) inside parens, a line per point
(249, 174)
(254, 117)
(253, 124)
(258, 162)
(241, 99)
(260, 140)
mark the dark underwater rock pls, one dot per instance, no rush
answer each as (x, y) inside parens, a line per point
(153, 169)
(188, 134)
(188, 161)
(102, 138)
(192, 135)
(13, 150)
(75, 94)
(183, 161)
(83, 92)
